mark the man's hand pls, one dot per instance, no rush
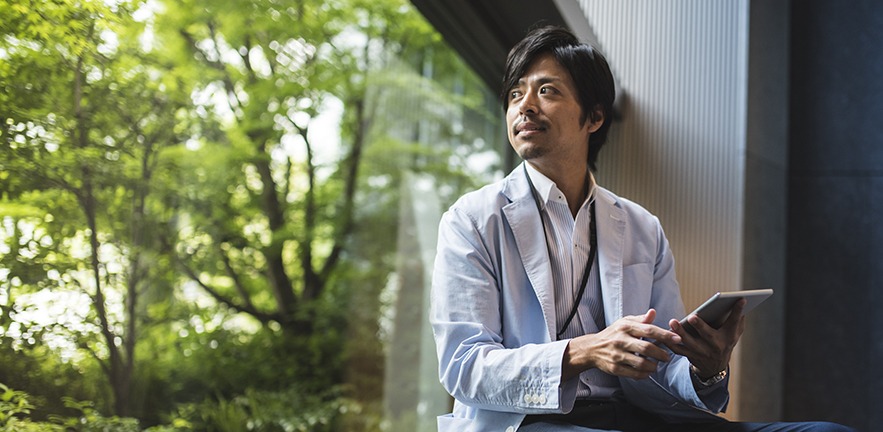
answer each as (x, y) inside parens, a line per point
(710, 352)
(622, 349)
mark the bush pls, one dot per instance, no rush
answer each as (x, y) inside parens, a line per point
(90, 420)
(15, 409)
(290, 410)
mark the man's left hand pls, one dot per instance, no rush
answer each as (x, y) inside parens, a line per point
(710, 352)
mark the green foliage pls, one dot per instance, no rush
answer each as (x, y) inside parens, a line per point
(203, 197)
(37, 368)
(257, 410)
(90, 420)
(12, 403)
(15, 410)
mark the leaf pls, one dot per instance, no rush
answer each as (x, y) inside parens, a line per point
(19, 211)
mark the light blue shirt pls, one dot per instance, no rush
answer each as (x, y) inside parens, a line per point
(569, 250)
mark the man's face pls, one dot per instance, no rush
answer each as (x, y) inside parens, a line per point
(544, 114)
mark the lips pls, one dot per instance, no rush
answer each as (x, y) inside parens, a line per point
(528, 128)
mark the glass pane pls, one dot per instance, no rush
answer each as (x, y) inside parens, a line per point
(222, 215)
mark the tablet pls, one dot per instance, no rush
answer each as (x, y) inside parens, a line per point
(716, 309)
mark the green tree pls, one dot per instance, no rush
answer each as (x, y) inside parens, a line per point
(78, 164)
(273, 204)
(281, 218)
(275, 217)
(251, 149)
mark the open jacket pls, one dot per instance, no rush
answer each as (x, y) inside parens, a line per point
(493, 311)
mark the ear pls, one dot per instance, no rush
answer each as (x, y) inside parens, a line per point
(596, 120)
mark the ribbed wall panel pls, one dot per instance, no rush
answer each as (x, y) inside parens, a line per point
(679, 149)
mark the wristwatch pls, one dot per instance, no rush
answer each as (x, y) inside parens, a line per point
(714, 379)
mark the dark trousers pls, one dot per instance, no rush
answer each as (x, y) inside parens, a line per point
(624, 417)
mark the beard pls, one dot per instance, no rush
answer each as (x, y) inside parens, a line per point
(531, 151)
(529, 148)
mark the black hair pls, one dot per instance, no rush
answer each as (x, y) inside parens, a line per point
(587, 66)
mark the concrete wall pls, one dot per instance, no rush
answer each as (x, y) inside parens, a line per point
(760, 384)
(834, 348)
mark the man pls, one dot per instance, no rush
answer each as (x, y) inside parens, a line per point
(554, 303)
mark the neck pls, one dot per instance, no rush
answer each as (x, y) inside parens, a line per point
(573, 181)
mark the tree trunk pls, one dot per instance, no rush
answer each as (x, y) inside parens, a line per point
(117, 373)
(275, 212)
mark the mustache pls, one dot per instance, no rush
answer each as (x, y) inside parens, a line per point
(532, 121)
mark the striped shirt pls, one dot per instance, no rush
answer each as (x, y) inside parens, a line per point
(568, 243)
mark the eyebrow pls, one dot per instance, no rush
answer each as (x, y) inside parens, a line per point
(541, 80)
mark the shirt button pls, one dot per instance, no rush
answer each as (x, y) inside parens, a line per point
(527, 398)
(510, 429)
(542, 399)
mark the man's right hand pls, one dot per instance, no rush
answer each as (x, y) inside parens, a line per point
(625, 348)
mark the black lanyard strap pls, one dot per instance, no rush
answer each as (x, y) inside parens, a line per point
(593, 245)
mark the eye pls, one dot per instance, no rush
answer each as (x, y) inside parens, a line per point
(514, 94)
(548, 90)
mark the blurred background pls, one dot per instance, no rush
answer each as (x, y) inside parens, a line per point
(222, 215)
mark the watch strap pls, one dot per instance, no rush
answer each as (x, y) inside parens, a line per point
(708, 382)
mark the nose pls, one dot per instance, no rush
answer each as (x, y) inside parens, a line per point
(528, 103)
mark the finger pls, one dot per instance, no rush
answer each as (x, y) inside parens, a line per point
(681, 349)
(642, 364)
(704, 330)
(650, 331)
(642, 327)
(653, 351)
(735, 314)
(646, 318)
(697, 350)
(679, 329)
(688, 342)
(649, 317)
(633, 366)
(628, 372)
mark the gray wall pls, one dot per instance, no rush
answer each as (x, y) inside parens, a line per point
(834, 349)
(763, 261)
(701, 144)
(679, 148)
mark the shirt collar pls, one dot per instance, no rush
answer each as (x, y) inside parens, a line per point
(545, 186)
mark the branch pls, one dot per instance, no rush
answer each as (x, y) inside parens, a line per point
(271, 59)
(240, 288)
(289, 171)
(347, 213)
(252, 77)
(306, 255)
(103, 364)
(220, 298)
(217, 65)
(82, 343)
(228, 80)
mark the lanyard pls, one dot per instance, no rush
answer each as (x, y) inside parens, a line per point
(593, 244)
